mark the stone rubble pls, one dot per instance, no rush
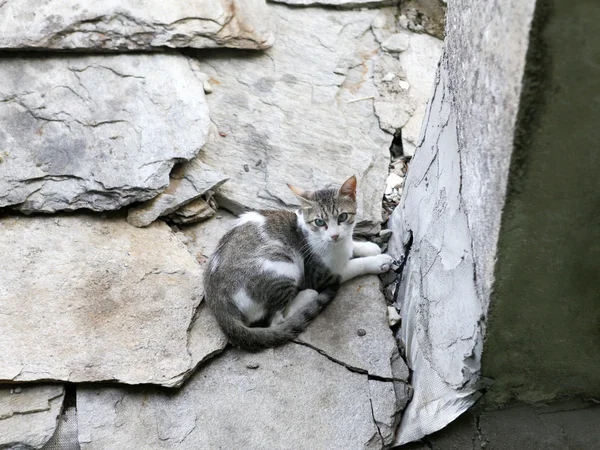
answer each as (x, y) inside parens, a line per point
(95, 132)
(188, 182)
(29, 414)
(192, 212)
(120, 25)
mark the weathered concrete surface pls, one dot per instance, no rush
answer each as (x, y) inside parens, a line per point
(300, 113)
(95, 132)
(133, 25)
(548, 252)
(287, 398)
(568, 424)
(187, 183)
(120, 300)
(453, 199)
(28, 414)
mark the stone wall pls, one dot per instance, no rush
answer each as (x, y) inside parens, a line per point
(130, 135)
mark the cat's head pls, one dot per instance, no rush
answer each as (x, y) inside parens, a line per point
(329, 214)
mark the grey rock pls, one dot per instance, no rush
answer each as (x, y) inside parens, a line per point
(420, 62)
(226, 405)
(195, 211)
(28, 419)
(385, 235)
(338, 3)
(120, 300)
(95, 132)
(358, 305)
(304, 109)
(396, 43)
(188, 182)
(402, 99)
(130, 25)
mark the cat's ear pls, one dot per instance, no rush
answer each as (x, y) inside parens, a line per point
(302, 194)
(348, 189)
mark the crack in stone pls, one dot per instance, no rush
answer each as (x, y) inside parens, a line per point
(350, 367)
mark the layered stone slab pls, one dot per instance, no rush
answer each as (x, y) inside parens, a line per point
(87, 299)
(133, 25)
(301, 113)
(95, 132)
(285, 398)
(29, 414)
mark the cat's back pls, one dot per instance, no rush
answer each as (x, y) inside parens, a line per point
(255, 236)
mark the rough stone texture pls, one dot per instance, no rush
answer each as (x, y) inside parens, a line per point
(360, 304)
(404, 81)
(120, 301)
(28, 415)
(454, 194)
(188, 182)
(300, 113)
(339, 3)
(95, 132)
(424, 16)
(294, 399)
(195, 211)
(549, 246)
(133, 25)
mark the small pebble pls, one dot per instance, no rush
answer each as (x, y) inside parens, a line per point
(389, 76)
(252, 365)
(246, 168)
(222, 134)
(385, 235)
(219, 217)
(258, 163)
(361, 332)
(393, 316)
(18, 390)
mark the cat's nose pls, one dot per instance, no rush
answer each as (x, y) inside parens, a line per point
(335, 237)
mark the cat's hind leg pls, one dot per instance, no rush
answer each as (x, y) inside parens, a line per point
(304, 298)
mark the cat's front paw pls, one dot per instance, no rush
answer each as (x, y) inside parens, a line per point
(380, 264)
(366, 249)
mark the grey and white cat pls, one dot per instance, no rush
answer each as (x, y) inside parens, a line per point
(274, 271)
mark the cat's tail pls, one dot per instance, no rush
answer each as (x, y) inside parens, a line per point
(256, 338)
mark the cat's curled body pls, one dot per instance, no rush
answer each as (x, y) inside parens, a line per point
(274, 271)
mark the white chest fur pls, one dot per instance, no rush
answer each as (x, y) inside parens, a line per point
(336, 255)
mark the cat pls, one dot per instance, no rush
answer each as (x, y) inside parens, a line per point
(274, 271)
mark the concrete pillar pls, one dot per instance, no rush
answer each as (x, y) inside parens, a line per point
(500, 219)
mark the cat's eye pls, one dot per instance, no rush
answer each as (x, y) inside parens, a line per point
(342, 217)
(319, 222)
